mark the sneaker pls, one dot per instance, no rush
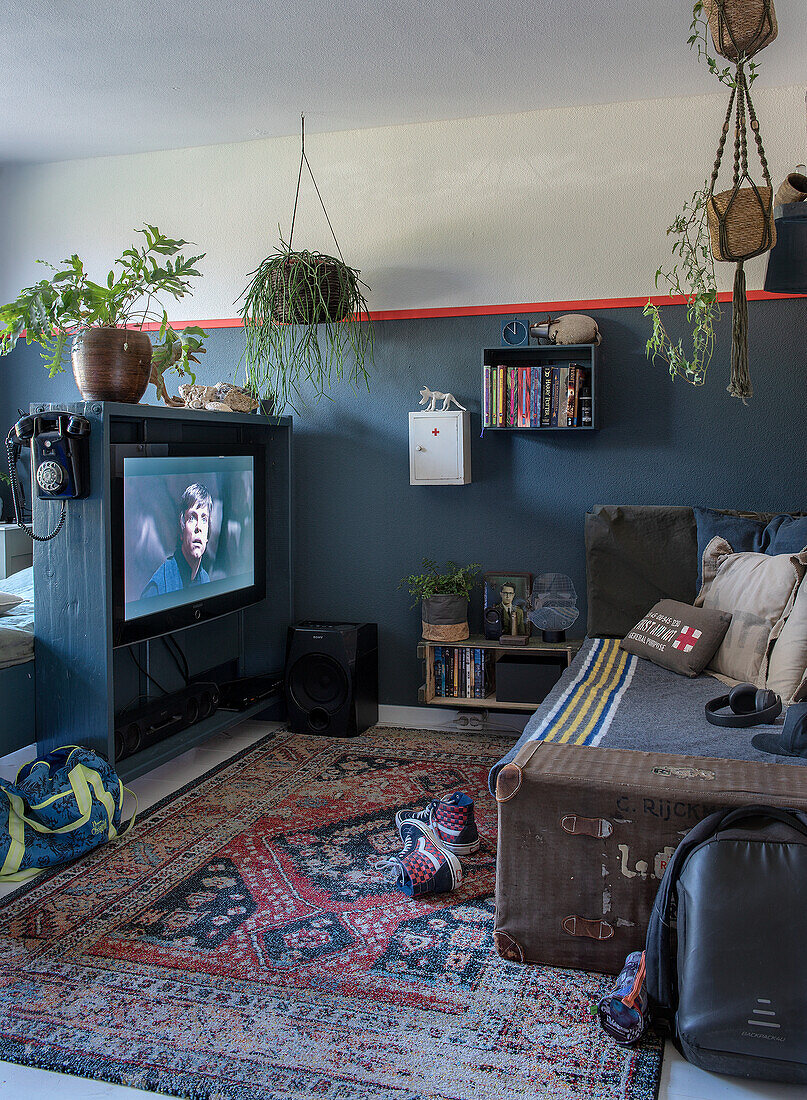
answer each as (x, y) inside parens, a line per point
(451, 820)
(425, 866)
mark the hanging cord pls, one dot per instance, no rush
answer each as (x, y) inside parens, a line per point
(148, 675)
(304, 160)
(740, 380)
(183, 669)
(15, 496)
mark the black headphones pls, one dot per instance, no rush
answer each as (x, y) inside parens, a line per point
(749, 706)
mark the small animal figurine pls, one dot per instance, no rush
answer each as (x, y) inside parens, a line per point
(429, 398)
(571, 328)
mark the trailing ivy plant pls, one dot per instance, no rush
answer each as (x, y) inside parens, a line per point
(453, 580)
(699, 35)
(693, 277)
(56, 309)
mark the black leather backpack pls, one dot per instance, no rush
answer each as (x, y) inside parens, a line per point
(726, 951)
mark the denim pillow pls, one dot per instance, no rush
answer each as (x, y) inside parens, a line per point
(779, 534)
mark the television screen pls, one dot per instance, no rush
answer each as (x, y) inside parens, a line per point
(188, 530)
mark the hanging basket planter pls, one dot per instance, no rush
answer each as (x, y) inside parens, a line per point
(308, 288)
(306, 321)
(741, 28)
(741, 223)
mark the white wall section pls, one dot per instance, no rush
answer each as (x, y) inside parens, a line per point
(555, 205)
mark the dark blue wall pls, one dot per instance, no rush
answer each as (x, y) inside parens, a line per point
(360, 527)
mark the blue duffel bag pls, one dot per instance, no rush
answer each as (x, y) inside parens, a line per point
(59, 807)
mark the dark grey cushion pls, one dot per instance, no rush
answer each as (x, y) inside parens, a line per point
(637, 555)
(678, 636)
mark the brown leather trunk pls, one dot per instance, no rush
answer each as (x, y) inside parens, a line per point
(586, 833)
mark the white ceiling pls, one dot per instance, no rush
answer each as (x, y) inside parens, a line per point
(94, 77)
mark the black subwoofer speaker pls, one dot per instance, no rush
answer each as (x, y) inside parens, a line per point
(331, 678)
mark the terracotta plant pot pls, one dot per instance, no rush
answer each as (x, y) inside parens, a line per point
(112, 364)
(445, 618)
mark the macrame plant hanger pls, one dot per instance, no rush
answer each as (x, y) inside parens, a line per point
(740, 220)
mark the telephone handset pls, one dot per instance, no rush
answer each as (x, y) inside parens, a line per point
(60, 467)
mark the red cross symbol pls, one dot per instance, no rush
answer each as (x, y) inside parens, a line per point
(686, 639)
(435, 431)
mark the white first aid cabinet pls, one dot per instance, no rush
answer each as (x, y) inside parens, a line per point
(439, 448)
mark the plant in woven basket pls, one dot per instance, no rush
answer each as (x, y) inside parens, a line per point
(736, 27)
(453, 580)
(303, 315)
(299, 315)
(739, 220)
(443, 596)
(693, 276)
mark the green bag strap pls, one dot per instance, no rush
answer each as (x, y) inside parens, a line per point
(16, 830)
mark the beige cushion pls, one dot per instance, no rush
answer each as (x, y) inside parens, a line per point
(759, 591)
(8, 602)
(787, 668)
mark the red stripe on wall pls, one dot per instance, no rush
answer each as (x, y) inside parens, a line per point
(511, 309)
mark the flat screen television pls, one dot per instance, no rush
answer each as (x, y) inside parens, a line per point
(188, 535)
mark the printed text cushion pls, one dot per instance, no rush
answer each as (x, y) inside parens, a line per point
(758, 590)
(678, 636)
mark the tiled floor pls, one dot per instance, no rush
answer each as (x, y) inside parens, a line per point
(680, 1081)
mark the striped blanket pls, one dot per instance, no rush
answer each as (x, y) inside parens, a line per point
(584, 712)
(611, 698)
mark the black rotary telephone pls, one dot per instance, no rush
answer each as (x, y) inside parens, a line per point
(60, 466)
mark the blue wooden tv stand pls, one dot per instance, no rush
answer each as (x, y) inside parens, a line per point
(82, 679)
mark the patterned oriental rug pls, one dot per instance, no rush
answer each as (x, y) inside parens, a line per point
(239, 944)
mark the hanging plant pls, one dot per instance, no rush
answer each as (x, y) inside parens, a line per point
(737, 28)
(739, 220)
(693, 277)
(304, 320)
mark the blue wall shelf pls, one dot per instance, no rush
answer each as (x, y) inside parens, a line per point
(540, 355)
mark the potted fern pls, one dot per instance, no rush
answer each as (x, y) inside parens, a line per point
(103, 325)
(443, 596)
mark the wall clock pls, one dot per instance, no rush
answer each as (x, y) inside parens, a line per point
(515, 334)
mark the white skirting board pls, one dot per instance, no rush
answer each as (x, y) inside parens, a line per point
(446, 719)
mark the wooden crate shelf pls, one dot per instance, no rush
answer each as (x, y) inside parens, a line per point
(562, 652)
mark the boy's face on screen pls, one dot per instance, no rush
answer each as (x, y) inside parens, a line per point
(194, 526)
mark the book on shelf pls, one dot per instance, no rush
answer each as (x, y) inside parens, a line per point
(513, 396)
(461, 672)
(538, 395)
(546, 395)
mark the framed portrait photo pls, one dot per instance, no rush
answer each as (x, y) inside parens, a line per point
(509, 593)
